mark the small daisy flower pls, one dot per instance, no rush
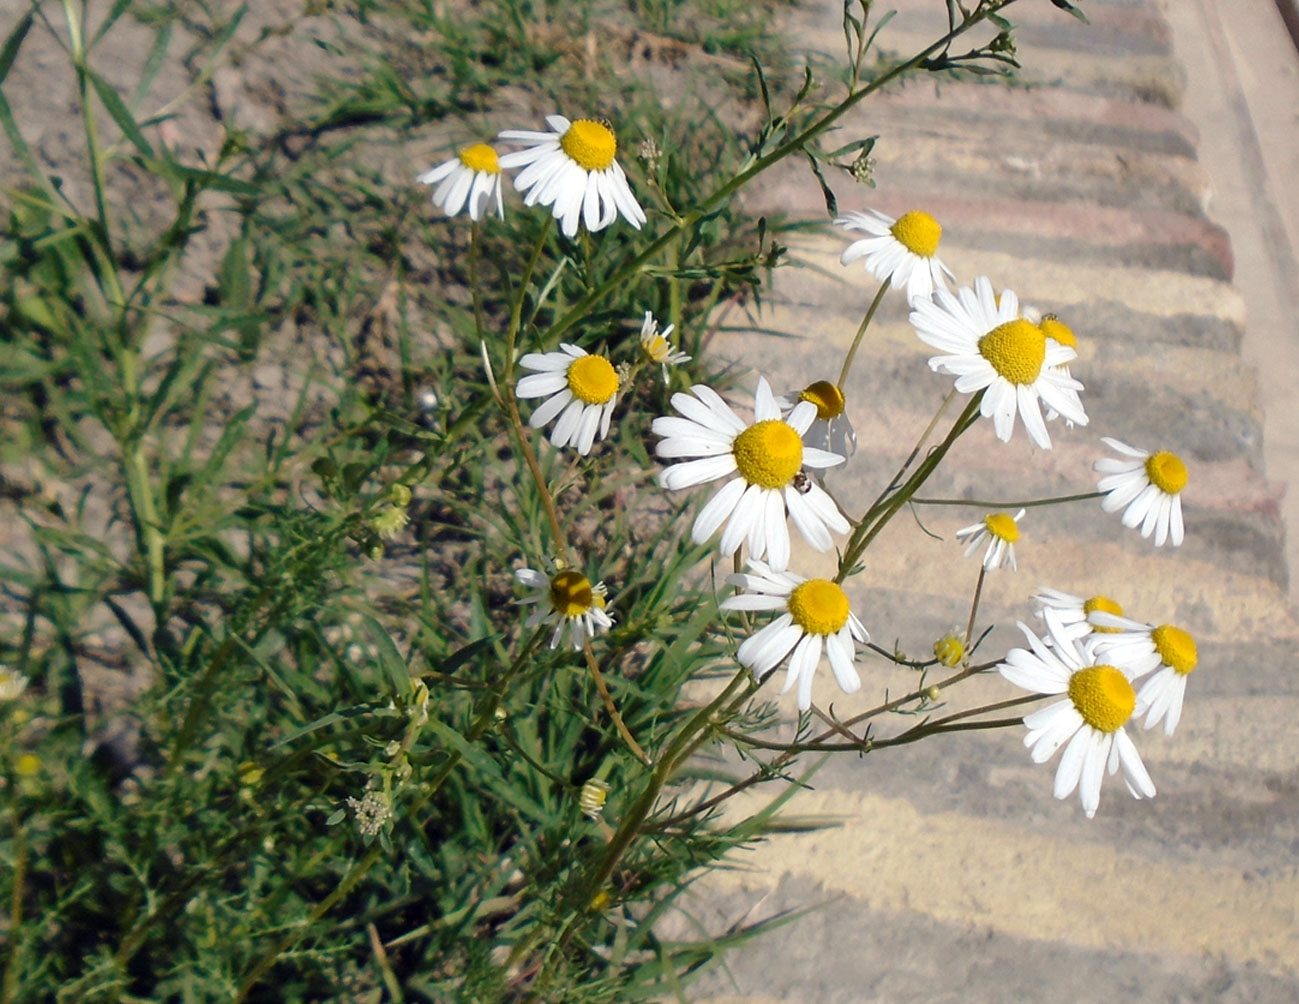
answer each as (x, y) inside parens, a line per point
(654, 345)
(1099, 701)
(900, 250)
(573, 170)
(813, 612)
(1073, 611)
(568, 598)
(1001, 532)
(1149, 485)
(583, 390)
(1057, 333)
(471, 178)
(988, 345)
(949, 650)
(832, 430)
(1143, 648)
(12, 684)
(768, 456)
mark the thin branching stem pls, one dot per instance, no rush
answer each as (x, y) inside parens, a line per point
(861, 330)
(1013, 504)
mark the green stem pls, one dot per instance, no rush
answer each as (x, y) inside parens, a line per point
(861, 330)
(1015, 504)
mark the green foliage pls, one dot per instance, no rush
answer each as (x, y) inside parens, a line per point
(281, 744)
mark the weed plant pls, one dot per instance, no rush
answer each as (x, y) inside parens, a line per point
(275, 728)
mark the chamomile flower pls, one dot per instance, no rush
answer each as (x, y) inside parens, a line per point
(471, 178)
(572, 169)
(832, 430)
(990, 347)
(12, 684)
(583, 389)
(1099, 701)
(768, 457)
(1001, 532)
(1057, 333)
(1149, 485)
(1073, 611)
(1143, 648)
(900, 250)
(569, 599)
(949, 650)
(813, 613)
(654, 345)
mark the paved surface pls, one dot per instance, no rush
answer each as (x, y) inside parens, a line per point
(1169, 250)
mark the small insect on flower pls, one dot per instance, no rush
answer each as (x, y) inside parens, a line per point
(767, 455)
(1143, 648)
(470, 179)
(813, 612)
(655, 346)
(569, 599)
(583, 390)
(902, 250)
(572, 169)
(1099, 701)
(988, 346)
(832, 429)
(1001, 532)
(1149, 485)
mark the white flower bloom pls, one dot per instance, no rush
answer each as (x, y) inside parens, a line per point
(12, 684)
(471, 178)
(813, 612)
(1099, 702)
(989, 346)
(832, 430)
(900, 250)
(573, 170)
(1073, 611)
(568, 598)
(768, 456)
(1001, 532)
(1143, 648)
(583, 390)
(1149, 485)
(656, 347)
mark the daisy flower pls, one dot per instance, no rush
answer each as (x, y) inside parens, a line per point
(1057, 333)
(573, 170)
(989, 346)
(900, 250)
(654, 345)
(1143, 648)
(568, 598)
(471, 178)
(832, 430)
(1001, 532)
(583, 390)
(1098, 702)
(1149, 485)
(813, 612)
(12, 684)
(1073, 611)
(768, 456)
(949, 650)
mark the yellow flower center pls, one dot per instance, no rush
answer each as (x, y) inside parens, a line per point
(918, 232)
(1055, 328)
(826, 396)
(571, 594)
(592, 379)
(1016, 350)
(590, 144)
(819, 606)
(768, 453)
(27, 765)
(480, 157)
(1103, 696)
(949, 650)
(1003, 526)
(656, 347)
(1105, 605)
(1166, 472)
(1176, 648)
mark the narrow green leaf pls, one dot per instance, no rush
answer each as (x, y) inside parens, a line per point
(119, 8)
(116, 107)
(10, 51)
(153, 64)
